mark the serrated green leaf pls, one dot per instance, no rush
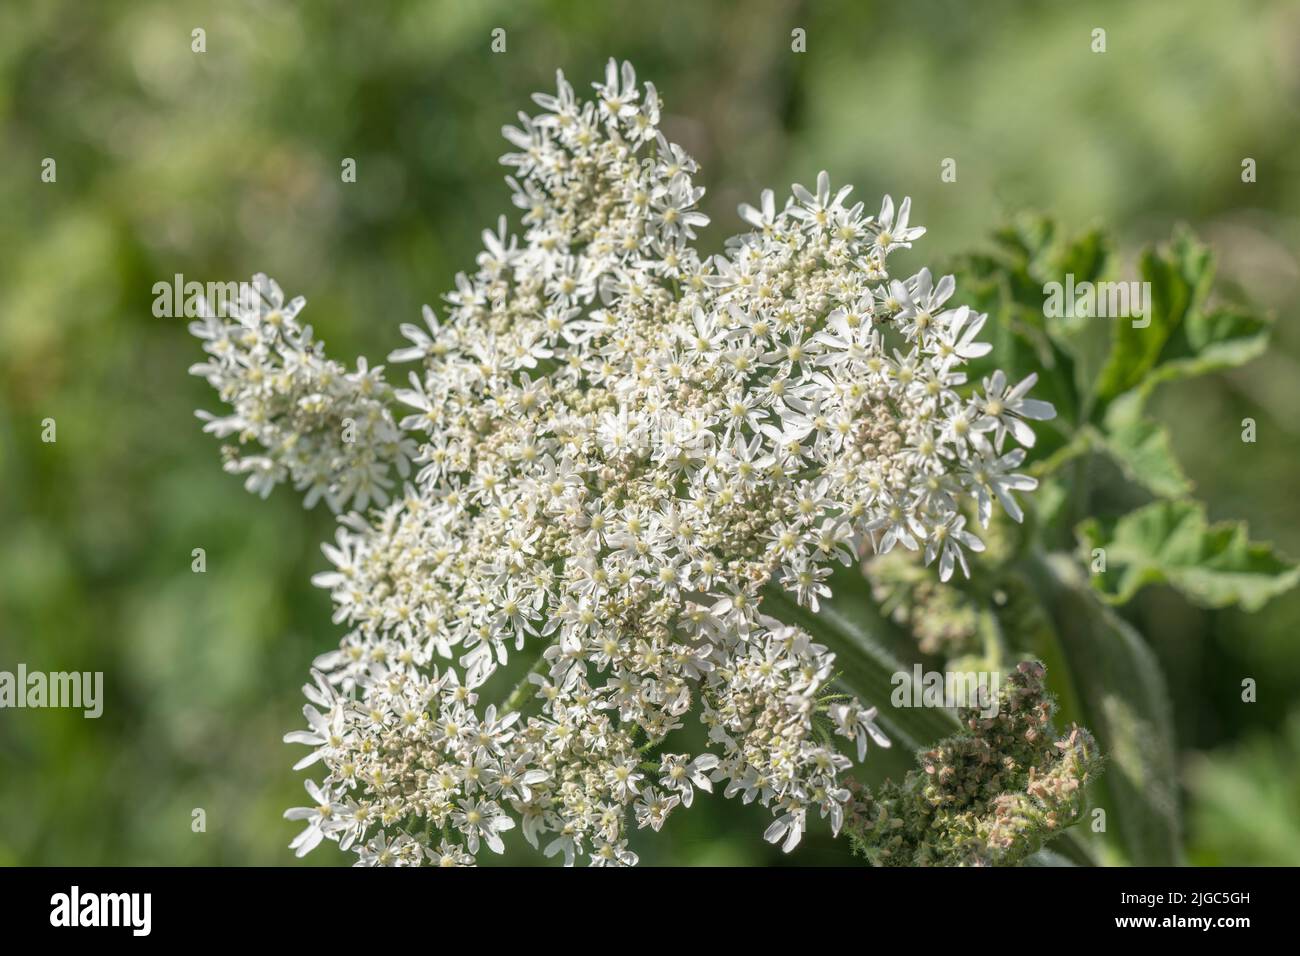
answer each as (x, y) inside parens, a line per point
(1117, 684)
(1185, 338)
(1171, 542)
(1180, 276)
(1142, 450)
(1208, 342)
(1086, 257)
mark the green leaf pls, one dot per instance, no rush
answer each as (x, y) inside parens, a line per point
(1208, 342)
(1179, 277)
(1021, 251)
(865, 647)
(1142, 451)
(1170, 542)
(1084, 364)
(1185, 338)
(1117, 684)
(1086, 257)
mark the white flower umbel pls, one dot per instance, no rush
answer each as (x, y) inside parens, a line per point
(328, 430)
(619, 446)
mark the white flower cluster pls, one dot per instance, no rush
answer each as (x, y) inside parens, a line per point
(620, 447)
(328, 430)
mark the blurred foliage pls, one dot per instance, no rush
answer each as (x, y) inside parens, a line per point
(220, 164)
(1246, 801)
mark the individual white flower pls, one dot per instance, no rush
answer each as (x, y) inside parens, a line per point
(955, 339)
(448, 854)
(893, 232)
(920, 302)
(818, 211)
(1004, 410)
(604, 853)
(946, 540)
(764, 217)
(323, 819)
(787, 829)
(989, 476)
(482, 820)
(858, 723)
(683, 776)
(327, 734)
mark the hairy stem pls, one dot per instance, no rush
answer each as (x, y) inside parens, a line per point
(520, 692)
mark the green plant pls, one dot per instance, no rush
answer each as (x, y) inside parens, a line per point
(1114, 513)
(642, 464)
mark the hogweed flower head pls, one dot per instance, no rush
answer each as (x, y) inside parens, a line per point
(618, 444)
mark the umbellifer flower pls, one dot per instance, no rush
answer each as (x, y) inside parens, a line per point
(617, 445)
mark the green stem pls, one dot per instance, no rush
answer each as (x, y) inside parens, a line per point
(517, 696)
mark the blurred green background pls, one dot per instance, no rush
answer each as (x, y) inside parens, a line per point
(222, 164)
